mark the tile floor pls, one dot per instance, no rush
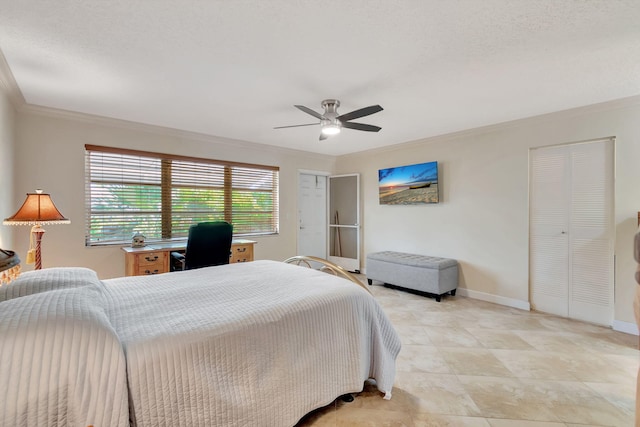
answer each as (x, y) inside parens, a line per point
(466, 362)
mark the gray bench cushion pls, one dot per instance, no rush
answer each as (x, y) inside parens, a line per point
(423, 261)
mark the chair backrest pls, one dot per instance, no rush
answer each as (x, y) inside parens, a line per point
(209, 244)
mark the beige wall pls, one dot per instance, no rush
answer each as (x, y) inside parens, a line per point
(482, 217)
(7, 137)
(50, 155)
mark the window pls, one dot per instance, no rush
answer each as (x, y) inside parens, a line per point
(162, 195)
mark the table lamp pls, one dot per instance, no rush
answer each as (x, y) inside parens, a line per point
(36, 210)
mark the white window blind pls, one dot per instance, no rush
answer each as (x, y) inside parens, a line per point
(162, 195)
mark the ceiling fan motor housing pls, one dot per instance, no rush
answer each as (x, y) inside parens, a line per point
(330, 111)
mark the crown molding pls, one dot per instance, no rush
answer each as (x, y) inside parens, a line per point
(161, 130)
(543, 118)
(23, 107)
(9, 85)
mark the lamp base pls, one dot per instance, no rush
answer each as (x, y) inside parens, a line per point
(37, 232)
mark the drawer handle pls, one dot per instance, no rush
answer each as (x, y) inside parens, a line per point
(151, 259)
(151, 272)
(241, 249)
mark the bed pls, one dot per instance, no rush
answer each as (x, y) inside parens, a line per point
(260, 343)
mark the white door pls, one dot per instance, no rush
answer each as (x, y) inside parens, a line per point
(591, 233)
(548, 230)
(572, 231)
(344, 221)
(312, 215)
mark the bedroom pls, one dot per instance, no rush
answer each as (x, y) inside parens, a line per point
(487, 231)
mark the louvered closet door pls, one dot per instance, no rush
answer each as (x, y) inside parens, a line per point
(571, 231)
(549, 225)
(591, 233)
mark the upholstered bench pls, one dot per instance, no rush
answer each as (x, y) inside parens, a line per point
(422, 273)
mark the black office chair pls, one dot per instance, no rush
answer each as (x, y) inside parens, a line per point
(209, 243)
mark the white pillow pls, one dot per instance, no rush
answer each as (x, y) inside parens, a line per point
(49, 279)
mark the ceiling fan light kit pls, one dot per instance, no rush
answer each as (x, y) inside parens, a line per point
(332, 123)
(331, 129)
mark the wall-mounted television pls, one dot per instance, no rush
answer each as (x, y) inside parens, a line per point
(409, 185)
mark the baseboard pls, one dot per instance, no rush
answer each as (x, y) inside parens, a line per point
(509, 302)
(626, 327)
(618, 325)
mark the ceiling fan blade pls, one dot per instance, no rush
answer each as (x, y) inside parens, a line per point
(309, 111)
(296, 126)
(366, 111)
(361, 126)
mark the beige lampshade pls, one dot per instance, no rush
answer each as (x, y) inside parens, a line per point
(37, 209)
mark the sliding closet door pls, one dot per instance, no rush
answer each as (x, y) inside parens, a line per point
(572, 231)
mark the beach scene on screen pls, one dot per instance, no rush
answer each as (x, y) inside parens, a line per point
(409, 185)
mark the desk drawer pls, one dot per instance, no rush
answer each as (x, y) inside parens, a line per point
(242, 252)
(151, 258)
(150, 269)
(148, 263)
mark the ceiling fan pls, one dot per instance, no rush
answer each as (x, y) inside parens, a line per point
(332, 122)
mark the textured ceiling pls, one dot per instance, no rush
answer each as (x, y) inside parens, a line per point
(236, 68)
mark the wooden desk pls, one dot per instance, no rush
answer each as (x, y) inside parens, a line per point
(154, 259)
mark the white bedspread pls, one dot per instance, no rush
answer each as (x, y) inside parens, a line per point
(61, 363)
(255, 344)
